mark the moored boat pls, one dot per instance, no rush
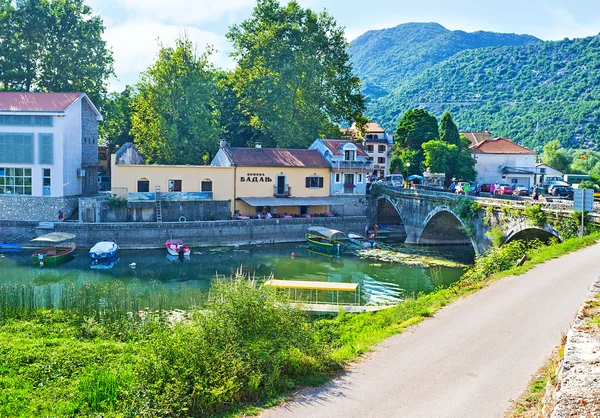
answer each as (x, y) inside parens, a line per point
(325, 238)
(104, 264)
(58, 253)
(175, 246)
(361, 241)
(10, 245)
(104, 250)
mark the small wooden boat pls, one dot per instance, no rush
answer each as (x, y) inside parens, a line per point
(325, 238)
(361, 241)
(104, 250)
(58, 253)
(175, 246)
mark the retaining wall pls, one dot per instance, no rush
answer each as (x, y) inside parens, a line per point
(203, 234)
(35, 208)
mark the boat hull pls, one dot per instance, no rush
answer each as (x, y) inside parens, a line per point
(324, 245)
(52, 256)
(173, 248)
(104, 250)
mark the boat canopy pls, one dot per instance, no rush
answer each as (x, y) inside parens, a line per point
(297, 284)
(326, 232)
(54, 237)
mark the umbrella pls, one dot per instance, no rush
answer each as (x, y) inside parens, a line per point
(415, 177)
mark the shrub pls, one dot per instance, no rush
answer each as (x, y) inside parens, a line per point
(496, 236)
(535, 216)
(116, 203)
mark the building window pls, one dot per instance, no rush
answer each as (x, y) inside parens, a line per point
(46, 182)
(314, 182)
(380, 160)
(359, 178)
(15, 180)
(206, 185)
(16, 148)
(174, 185)
(25, 120)
(382, 148)
(46, 149)
(338, 178)
(349, 155)
(370, 148)
(542, 171)
(369, 136)
(143, 185)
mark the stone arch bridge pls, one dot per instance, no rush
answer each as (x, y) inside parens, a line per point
(441, 218)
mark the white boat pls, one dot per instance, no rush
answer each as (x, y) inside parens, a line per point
(361, 241)
(104, 250)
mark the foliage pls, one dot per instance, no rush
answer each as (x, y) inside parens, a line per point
(175, 119)
(533, 94)
(116, 203)
(535, 216)
(455, 162)
(496, 236)
(409, 49)
(557, 157)
(416, 127)
(449, 132)
(115, 127)
(465, 208)
(53, 45)
(293, 78)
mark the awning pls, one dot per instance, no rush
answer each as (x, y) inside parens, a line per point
(54, 237)
(296, 284)
(290, 201)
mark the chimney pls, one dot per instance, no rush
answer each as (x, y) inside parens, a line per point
(258, 145)
(223, 143)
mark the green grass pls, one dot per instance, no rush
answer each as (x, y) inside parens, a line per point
(245, 351)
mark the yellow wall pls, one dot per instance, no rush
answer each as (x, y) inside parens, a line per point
(295, 177)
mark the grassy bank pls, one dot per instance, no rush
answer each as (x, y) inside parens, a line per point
(246, 347)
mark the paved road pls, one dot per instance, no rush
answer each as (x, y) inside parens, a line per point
(470, 359)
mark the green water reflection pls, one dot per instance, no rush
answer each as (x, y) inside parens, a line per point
(159, 279)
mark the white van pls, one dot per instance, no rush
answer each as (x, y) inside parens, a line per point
(394, 180)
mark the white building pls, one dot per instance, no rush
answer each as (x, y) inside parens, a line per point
(546, 173)
(48, 144)
(378, 144)
(501, 160)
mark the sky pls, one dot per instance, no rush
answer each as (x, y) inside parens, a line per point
(134, 28)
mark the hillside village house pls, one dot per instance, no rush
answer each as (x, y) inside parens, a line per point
(48, 144)
(378, 145)
(501, 160)
(349, 163)
(545, 173)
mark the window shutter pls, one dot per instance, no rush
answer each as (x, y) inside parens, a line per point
(308, 182)
(46, 149)
(320, 182)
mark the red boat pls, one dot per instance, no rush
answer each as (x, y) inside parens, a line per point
(175, 246)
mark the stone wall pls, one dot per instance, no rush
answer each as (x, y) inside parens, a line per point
(89, 148)
(203, 234)
(350, 205)
(15, 230)
(35, 208)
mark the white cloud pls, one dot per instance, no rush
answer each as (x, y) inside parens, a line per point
(185, 11)
(560, 24)
(135, 44)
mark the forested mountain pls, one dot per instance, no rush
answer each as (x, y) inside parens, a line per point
(387, 58)
(533, 93)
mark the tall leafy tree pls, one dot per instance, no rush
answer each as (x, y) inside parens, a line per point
(175, 119)
(116, 112)
(556, 156)
(293, 79)
(53, 45)
(416, 127)
(442, 157)
(448, 131)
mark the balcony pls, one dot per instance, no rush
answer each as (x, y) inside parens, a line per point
(365, 166)
(282, 191)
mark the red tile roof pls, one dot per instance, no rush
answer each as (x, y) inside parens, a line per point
(336, 146)
(37, 102)
(275, 157)
(500, 146)
(372, 128)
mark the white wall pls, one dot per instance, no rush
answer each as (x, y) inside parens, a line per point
(71, 131)
(489, 167)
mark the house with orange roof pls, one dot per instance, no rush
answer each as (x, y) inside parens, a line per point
(503, 161)
(378, 144)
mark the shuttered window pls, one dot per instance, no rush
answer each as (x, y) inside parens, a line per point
(25, 120)
(16, 148)
(46, 149)
(314, 182)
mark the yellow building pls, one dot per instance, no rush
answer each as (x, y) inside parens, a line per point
(280, 181)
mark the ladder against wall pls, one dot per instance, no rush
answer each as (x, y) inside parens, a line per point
(158, 205)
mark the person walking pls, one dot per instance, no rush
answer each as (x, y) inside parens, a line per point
(496, 188)
(536, 192)
(375, 229)
(492, 189)
(367, 231)
(466, 188)
(452, 187)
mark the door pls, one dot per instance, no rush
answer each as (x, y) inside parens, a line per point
(143, 186)
(349, 183)
(280, 185)
(47, 180)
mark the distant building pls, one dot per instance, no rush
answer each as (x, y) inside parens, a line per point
(378, 145)
(477, 137)
(545, 173)
(48, 144)
(349, 164)
(502, 160)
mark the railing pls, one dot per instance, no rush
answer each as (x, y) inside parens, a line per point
(185, 196)
(285, 191)
(365, 165)
(141, 196)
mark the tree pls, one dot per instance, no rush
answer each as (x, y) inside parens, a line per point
(175, 119)
(53, 45)
(455, 162)
(557, 157)
(116, 112)
(416, 127)
(293, 78)
(448, 131)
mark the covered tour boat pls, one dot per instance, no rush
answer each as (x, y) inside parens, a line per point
(175, 246)
(60, 250)
(325, 238)
(104, 250)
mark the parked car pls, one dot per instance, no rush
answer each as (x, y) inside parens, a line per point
(549, 185)
(461, 186)
(485, 187)
(505, 189)
(562, 191)
(521, 190)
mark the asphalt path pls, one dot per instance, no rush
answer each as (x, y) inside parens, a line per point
(471, 359)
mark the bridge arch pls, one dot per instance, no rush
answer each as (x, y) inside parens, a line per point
(388, 212)
(443, 226)
(521, 231)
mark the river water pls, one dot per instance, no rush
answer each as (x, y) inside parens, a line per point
(181, 284)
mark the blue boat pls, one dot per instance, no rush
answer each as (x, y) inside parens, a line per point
(10, 245)
(104, 250)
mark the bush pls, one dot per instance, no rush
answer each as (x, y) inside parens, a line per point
(496, 236)
(535, 216)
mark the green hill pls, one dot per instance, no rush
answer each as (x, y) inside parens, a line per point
(387, 58)
(533, 93)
